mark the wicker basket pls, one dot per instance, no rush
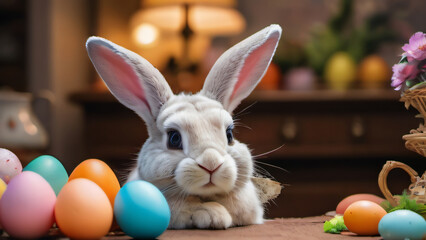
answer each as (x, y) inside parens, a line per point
(416, 190)
(416, 139)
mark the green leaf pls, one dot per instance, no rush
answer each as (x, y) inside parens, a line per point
(335, 225)
(405, 202)
(404, 59)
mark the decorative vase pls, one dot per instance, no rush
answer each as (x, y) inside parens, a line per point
(19, 127)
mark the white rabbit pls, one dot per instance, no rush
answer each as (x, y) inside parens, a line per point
(191, 155)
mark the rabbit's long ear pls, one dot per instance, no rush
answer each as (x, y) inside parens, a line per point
(130, 78)
(237, 72)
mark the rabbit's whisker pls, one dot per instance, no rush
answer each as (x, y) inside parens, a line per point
(272, 202)
(243, 111)
(239, 124)
(260, 172)
(271, 165)
(268, 152)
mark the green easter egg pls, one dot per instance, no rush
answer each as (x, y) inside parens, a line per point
(50, 169)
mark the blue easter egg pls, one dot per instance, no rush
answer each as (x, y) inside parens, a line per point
(50, 169)
(141, 210)
(402, 224)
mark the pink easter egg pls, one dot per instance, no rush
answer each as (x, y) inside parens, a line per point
(10, 166)
(27, 206)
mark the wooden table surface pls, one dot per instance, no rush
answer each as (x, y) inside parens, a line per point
(283, 228)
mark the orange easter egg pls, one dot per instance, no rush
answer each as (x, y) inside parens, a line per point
(271, 79)
(374, 72)
(83, 210)
(363, 217)
(100, 173)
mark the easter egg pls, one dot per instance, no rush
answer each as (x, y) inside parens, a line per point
(363, 217)
(100, 173)
(141, 210)
(2, 187)
(271, 79)
(341, 207)
(83, 210)
(402, 224)
(10, 166)
(27, 206)
(374, 72)
(50, 169)
(340, 71)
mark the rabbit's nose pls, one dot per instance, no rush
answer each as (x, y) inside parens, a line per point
(210, 160)
(209, 170)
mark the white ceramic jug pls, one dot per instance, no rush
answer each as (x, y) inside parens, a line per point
(19, 127)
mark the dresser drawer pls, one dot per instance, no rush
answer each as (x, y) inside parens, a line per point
(314, 125)
(324, 133)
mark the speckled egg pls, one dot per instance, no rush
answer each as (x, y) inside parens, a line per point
(10, 166)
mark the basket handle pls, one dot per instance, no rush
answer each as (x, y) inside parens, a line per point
(389, 165)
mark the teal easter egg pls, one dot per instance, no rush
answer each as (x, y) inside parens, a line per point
(50, 169)
(141, 210)
(402, 224)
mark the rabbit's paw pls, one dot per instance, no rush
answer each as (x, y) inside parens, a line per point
(211, 215)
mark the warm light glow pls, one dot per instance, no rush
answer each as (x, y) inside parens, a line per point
(145, 34)
(222, 3)
(206, 19)
(166, 19)
(213, 21)
(203, 19)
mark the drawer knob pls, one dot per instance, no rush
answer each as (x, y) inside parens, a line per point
(358, 128)
(289, 129)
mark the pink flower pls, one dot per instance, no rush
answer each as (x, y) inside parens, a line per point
(403, 72)
(416, 47)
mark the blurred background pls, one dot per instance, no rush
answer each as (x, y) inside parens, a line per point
(325, 105)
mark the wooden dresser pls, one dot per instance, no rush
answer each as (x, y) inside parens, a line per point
(332, 144)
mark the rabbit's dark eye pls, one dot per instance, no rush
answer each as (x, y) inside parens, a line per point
(174, 140)
(229, 134)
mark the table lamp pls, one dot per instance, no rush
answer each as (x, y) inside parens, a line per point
(190, 19)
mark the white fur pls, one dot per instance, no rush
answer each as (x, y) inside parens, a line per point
(222, 79)
(197, 198)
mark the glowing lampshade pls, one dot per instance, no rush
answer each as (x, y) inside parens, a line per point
(201, 17)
